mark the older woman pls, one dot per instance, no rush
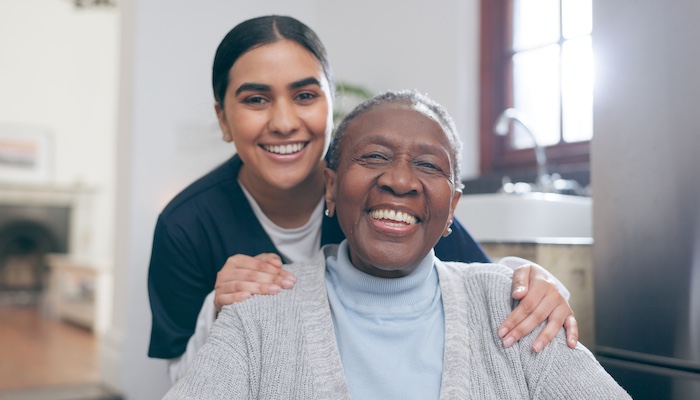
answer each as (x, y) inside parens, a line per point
(385, 318)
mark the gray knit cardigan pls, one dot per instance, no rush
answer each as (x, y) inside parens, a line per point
(283, 346)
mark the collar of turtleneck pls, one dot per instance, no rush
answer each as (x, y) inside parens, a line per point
(363, 292)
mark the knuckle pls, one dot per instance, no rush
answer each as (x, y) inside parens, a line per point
(540, 315)
(508, 323)
(233, 259)
(522, 270)
(527, 306)
(236, 286)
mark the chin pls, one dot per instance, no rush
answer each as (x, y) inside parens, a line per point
(389, 265)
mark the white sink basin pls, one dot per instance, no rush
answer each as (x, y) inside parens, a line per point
(502, 217)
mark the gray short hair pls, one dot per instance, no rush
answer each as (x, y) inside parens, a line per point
(412, 97)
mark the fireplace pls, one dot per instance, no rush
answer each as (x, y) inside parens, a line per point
(27, 234)
(36, 221)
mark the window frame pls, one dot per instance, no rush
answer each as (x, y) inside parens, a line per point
(495, 95)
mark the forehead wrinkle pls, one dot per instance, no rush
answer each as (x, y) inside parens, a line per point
(422, 148)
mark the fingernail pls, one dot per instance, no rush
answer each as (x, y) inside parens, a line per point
(519, 289)
(502, 332)
(508, 341)
(287, 283)
(273, 288)
(537, 346)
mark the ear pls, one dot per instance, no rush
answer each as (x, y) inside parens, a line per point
(331, 189)
(453, 206)
(223, 123)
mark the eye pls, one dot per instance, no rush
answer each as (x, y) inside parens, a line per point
(255, 100)
(372, 159)
(430, 167)
(375, 157)
(306, 96)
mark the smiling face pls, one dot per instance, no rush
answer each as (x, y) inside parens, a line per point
(278, 113)
(393, 189)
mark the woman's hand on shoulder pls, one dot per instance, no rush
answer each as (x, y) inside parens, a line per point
(243, 276)
(540, 300)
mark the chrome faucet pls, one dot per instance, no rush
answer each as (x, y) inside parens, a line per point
(502, 127)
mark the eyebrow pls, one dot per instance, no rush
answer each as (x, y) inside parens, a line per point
(260, 87)
(304, 82)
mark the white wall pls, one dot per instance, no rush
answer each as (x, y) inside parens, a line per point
(58, 72)
(167, 127)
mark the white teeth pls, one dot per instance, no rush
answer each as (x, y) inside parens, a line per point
(285, 148)
(394, 215)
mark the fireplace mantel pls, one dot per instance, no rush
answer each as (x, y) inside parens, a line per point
(78, 198)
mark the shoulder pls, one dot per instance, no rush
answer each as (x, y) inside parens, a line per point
(310, 283)
(485, 288)
(472, 271)
(209, 188)
(257, 314)
(313, 270)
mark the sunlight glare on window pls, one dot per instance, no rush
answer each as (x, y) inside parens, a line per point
(577, 89)
(577, 18)
(526, 33)
(552, 67)
(536, 94)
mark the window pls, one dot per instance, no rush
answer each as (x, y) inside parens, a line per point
(536, 57)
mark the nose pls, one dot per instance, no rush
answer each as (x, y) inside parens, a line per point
(283, 117)
(400, 178)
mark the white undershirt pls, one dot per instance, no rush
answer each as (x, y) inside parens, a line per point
(295, 244)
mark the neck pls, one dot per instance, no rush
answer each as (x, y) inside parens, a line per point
(292, 207)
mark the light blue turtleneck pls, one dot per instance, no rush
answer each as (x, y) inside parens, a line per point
(390, 332)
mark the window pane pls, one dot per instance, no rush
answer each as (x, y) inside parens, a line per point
(577, 19)
(536, 94)
(577, 89)
(535, 23)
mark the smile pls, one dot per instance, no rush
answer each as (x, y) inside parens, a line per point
(393, 215)
(284, 148)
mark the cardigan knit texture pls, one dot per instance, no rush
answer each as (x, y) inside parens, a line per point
(284, 346)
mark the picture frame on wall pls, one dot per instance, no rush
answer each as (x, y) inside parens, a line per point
(25, 154)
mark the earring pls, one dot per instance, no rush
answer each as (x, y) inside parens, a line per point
(327, 212)
(449, 229)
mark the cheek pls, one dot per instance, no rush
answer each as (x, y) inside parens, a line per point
(318, 119)
(440, 199)
(351, 198)
(245, 125)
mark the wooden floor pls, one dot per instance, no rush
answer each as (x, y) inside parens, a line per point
(36, 351)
